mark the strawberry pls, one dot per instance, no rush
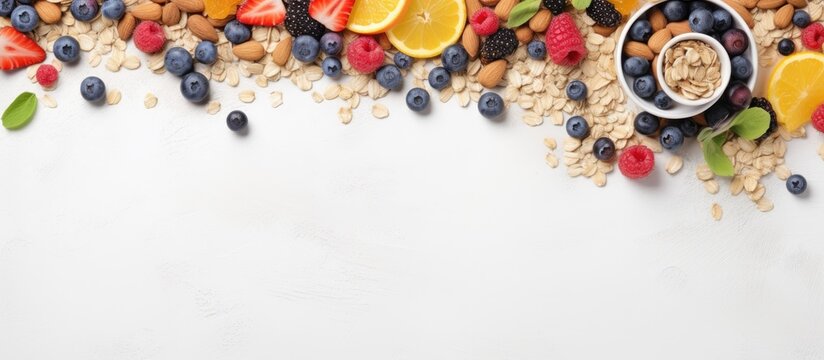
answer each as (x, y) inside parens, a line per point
(334, 14)
(17, 50)
(261, 12)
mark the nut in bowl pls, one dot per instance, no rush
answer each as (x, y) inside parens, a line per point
(695, 69)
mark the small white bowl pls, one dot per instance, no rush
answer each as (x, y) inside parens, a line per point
(726, 71)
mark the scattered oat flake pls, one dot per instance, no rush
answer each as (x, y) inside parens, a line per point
(213, 107)
(48, 101)
(276, 98)
(764, 205)
(113, 97)
(345, 115)
(674, 164)
(380, 111)
(317, 97)
(149, 101)
(247, 96)
(551, 160)
(717, 212)
(550, 143)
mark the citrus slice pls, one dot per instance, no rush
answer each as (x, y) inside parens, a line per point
(625, 7)
(428, 27)
(375, 16)
(221, 9)
(796, 88)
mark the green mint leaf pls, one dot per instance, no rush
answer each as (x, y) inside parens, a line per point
(751, 124)
(522, 12)
(714, 155)
(20, 112)
(581, 4)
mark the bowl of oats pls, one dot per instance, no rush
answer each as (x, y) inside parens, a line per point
(693, 69)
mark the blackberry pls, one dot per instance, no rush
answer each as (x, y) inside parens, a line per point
(604, 13)
(499, 45)
(298, 21)
(555, 6)
(765, 104)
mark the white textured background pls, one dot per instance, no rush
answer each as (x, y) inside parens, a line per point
(128, 233)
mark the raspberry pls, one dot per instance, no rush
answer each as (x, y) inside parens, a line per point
(484, 22)
(818, 118)
(564, 42)
(636, 162)
(365, 54)
(813, 36)
(46, 75)
(149, 37)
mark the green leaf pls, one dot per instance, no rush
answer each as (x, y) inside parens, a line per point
(751, 124)
(714, 155)
(20, 112)
(522, 12)
(581, 4)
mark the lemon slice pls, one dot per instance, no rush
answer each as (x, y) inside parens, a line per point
(375, 16)
(796, 88)
(428, 27)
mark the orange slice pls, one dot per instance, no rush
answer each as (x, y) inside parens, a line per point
(428, 27)
(221, 9)
(375, 16)
(796, 88)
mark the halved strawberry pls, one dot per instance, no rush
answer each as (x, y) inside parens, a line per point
(18, 50)
(334, 14)
(261, 12)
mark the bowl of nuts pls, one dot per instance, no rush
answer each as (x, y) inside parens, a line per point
(701, 28)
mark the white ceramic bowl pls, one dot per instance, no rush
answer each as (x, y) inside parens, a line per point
(678, 111)
(723, 58)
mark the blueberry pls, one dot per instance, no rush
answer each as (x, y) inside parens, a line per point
(636, 66)
(644, 86)
(491, 105)
(577, 127)
(699, 5)
(24, 18)
(66, 49)
(738, 95)
(417, 99)
(717, 113)
(331, 43)
(701, 21)
(722, 20)
(93, 89)
(646, 123)
(206, 52)
(801, 18)
(178, 61)
(236, 120)
(641, 31)
(84, 10)
(536, 50)
(113, 9)
(455, 58)
(735, 41)
(25, 2)
(6, 7)
(796, 184)
(662, 100)
(389, 76)
(675, 10)
(576, 90)
(236, 32)
(786, 47)
(603, 149)
(194, 87)
(306, 48)
(688, 127)
(671, 137)
(439, 78)
(741, 68)
(331, 67)
(402, 60)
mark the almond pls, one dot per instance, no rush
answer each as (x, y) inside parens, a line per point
(159, 2)
(147, 11)
(250, 51)
(749, 4)
(524, 34)
(504, 7)
(603, 30)
(48, 12)
(491, 74)
(489, 2)
(171, 14)
(470, 41)
(219, 23)
(125, 27)
(472, 6)
(770, 4)
(799, 4)
(659, 39)
(201, 28)
(282, 51)
(657, 19)
(742, 11)
(190, 6)
(540, 21)
(635, 48)
(653, 68)
(678, 28)
(784, 16)
(383, 41)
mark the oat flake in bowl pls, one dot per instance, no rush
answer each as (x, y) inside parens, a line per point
(692, 69)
